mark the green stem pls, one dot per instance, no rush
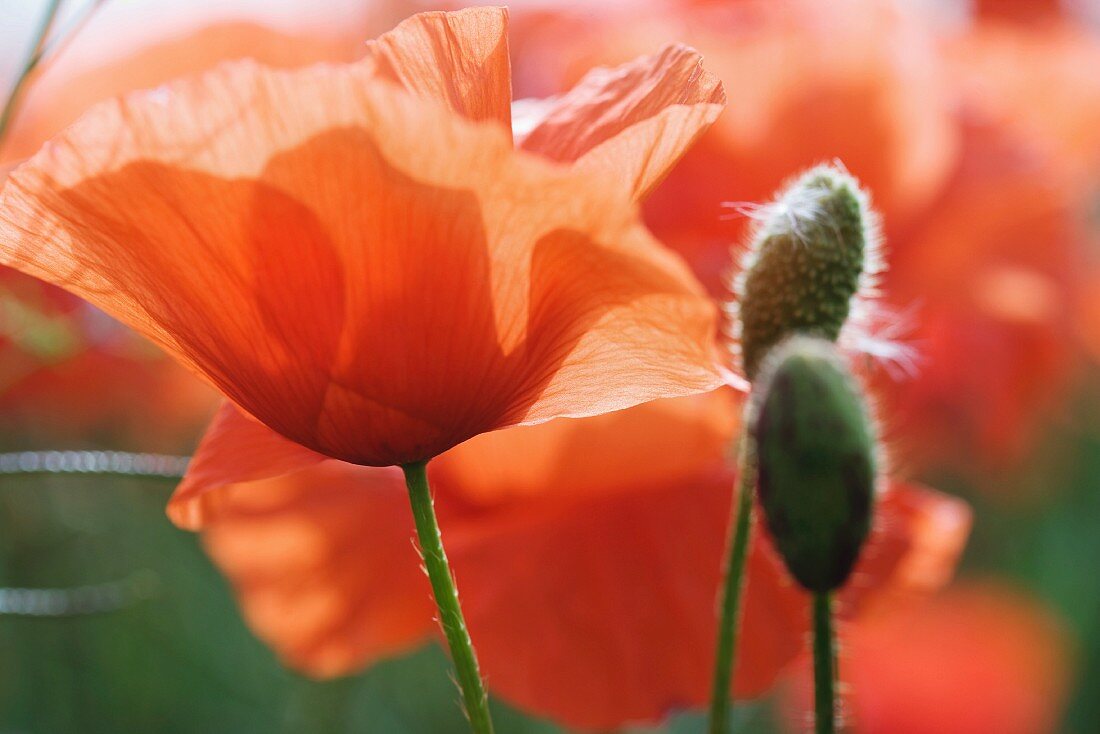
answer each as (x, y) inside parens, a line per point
(824, 665)
(32, 61)
(446, 598)
(66, 35)
(730, 611)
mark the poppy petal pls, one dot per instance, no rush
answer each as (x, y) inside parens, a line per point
(981, 657)
(597, 610)
(324, 565)
(616, 450)
(281, 232)
(460, 58)
(1034, 79)
(236, 449)
(590, 596)
(601, 610)
(127, 48)
(917, 540)
(631, 122)
(978, 657)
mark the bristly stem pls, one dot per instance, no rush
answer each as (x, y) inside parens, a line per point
(824, 665)
(729, 620)
(28, 67)
(446, 599)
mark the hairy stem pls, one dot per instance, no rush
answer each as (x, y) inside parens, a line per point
(446, 599)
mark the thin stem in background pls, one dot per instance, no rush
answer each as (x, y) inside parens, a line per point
(76, 601)
(824, 665)
(446, 599)
(110, 463)
(729, 620)
(37, 53)
(65, 36)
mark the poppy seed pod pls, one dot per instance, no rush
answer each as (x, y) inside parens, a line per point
(815, 453)
(807, 261)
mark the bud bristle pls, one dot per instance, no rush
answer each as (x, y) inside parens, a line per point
(806, 262)
(815, 452)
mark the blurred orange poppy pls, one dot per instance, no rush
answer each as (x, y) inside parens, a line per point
(850, 80)
(1018, 10)
(144, 43)
(588, 552)
(977, 658)
(1034, 78)
(964, 165)
(357, 256)
(994, 326)
(69, 374)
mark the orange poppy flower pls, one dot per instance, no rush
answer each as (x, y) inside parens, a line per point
(588, 553)
(977, 658)
(358, 257)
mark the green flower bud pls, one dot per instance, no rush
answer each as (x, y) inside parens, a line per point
(815, 458)
(807, 260)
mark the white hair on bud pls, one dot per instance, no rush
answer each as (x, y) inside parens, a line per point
(876, 330)
(872, 329)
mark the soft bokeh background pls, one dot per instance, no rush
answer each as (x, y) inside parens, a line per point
(977, 125)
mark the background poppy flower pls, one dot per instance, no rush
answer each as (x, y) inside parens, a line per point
(979, 657)
(142, 44)
(588, 552)
(290, 264)
(932, 119)
(1000, 296)
(1019, 10)
(1053, 103)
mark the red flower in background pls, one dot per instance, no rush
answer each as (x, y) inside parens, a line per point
(1018, 10)
(975, 147)
(68, 372)
(588, 552)
(142, 44)
(974, 659)
(1036, 79)
(993, 273)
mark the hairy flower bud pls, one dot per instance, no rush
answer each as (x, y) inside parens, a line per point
(816, 461)
(807, 260)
